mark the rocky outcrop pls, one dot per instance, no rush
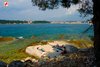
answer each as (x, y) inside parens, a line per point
(78, 59)
(71, 49)
(50, 51)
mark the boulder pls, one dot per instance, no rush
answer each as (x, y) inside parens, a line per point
(71, 49)
(41, 51)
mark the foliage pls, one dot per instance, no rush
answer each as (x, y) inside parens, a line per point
(52, 4)
(11, 21)
(20, 22)
(14, 50)
(40, 22)
(85, 5)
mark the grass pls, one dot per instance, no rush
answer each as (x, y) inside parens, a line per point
(15, 50)
(82, 43)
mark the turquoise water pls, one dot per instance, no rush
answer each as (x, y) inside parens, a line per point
(44, 30)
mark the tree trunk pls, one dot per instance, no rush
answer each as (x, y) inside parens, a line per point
(96, 24)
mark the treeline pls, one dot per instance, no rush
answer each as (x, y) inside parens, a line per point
(20, 22)
(40, 21)
(12, 22)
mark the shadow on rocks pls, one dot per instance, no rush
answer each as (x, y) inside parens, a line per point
(17, 63)
(3, 64)
(29, 63)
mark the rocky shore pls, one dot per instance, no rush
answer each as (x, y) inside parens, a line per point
(77, 59)
(69, 53)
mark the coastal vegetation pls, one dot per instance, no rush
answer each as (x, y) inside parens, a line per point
(21, 22)
(12, 22)
(15, 50)
(40, 21)
(3, 39)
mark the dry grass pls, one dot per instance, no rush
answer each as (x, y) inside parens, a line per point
(82, 43)
(3, 39)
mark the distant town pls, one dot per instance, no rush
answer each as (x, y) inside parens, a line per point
(35, 22)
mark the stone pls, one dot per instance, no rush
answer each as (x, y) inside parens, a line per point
(71, 49)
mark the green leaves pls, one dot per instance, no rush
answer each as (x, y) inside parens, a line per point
(52, 4)
(75, 1)
(85, 7)
(66, 3)
(45, 4)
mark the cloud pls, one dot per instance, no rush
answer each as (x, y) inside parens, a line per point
(23, 10)
(72, 9)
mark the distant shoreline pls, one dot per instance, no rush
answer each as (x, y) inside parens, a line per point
(42, 22)
(45, 23)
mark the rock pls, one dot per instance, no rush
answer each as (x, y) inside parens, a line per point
(29, 58)
(71, 49)
(29, 63)
(86, 49)
(30, 50)
(3, 64)
(16, 63)
(49, 50)
(38, 51)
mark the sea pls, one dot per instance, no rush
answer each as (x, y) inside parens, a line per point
(45, 30)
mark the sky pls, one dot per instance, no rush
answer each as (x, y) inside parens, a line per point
(23, 10)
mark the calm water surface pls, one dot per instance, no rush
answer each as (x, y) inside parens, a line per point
(28, 30)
